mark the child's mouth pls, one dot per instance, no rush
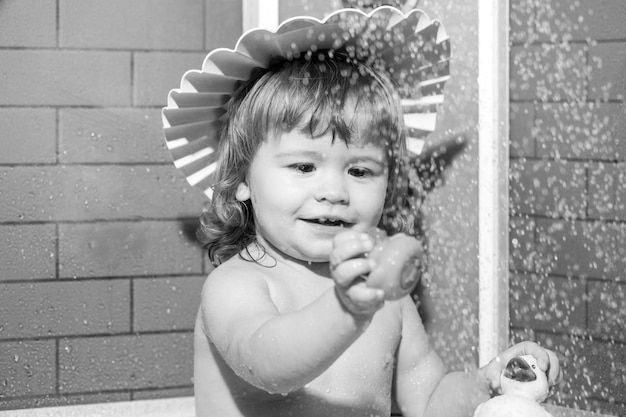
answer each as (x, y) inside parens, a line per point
(328, 222)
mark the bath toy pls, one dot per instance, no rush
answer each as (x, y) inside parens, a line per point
(524, 387)
(398, 264)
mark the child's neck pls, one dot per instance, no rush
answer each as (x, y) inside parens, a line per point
(268, 255)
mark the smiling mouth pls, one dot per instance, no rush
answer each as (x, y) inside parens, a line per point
(328, 222)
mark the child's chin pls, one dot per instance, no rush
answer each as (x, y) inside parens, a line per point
(313, 256)
(318, 260)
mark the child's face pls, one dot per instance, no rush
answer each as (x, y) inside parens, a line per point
(304, 191)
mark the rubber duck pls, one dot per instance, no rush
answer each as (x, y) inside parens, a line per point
(524, 387)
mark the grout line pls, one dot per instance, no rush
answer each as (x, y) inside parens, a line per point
(57, 137)
(58, 24)
(138, 219)
(57, 250)
(79, 394)
(85, 336)
(204, 25)
(131, 312)
(132, 79)
(57, 377)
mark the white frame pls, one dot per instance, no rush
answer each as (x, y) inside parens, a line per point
(493, 168)
(256, 16)
(493, 157)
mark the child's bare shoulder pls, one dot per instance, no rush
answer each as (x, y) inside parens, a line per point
(234, 292)
(235, 273)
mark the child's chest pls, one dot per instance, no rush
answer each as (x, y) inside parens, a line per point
(363, 374)
(366, 367)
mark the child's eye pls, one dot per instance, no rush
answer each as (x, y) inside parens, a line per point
(303, 168)
(359, 172)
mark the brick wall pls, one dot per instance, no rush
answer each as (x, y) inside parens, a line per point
(99, 273)
(568, 199)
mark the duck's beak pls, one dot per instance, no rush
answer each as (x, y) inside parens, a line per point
(519, 370)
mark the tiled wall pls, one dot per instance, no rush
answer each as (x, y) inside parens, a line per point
(99, 271)
(99, 275)
(568, 198)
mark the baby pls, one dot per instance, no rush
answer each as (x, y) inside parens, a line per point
(313, 156)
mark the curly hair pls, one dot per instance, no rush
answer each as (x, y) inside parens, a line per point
(309, 93)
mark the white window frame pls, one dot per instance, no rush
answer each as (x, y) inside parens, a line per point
(260, 13)
(493, 161)
(493, 184)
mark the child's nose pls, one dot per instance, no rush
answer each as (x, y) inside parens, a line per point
(332, 189)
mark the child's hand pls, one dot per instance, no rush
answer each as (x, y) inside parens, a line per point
(547, 360)
(348, 266)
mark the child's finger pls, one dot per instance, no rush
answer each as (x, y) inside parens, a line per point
(366, 298)
(349, 245)
(360, 299)
(541, 354)
(554, 369)
(347, 236)
(362, 294)
(346, 272)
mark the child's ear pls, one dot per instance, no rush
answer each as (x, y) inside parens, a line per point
(243, 192)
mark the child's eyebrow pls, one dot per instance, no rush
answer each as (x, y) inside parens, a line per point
(373, 159)
(320, 155)
(297, 152)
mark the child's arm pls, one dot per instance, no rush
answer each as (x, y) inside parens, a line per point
(418, 368)
(281, 352)
(422, 388)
